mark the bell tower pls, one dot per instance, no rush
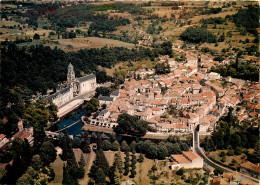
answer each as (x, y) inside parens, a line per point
(71, 74)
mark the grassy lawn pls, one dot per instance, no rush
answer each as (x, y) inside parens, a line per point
(239, 158)
(125, 66)
(58, 169)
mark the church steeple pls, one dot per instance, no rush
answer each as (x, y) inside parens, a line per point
(71, 74)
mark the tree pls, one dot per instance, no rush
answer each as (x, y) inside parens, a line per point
(82, 161)
(36, 162)
(218, 171)
(162, 151)
(37, 115)
(154, 168)
(118, 162)
(66, 176)
(132, 146)
(162, 68)
(184, 147)
(104, 91)
(131, 125)
(180, 171)
(106, 145)
(221, 38)
(81, 172)
(124, 146)
(36, 36)
(115, 146)
(197, 34)
(133, 167)
(24, 179)
(48, 153)
(117, 177)
(100, 177)
(101, 161)
(67, 151)
(152, 151)
(85, 145)
(76, 142)
(126, 164)
(141, 158)
(174, 139)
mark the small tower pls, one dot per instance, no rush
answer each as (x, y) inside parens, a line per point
(71, 74)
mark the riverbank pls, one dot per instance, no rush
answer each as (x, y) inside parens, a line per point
(148, 135)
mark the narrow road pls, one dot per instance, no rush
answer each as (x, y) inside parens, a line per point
(210, 163)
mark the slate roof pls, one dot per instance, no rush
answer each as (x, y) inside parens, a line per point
(103, 112)
(63, 91)
(115, 93)
(105, 98)
(86, 78)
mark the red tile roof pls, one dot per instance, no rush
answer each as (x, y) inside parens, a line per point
(251, 166)
(191, 155)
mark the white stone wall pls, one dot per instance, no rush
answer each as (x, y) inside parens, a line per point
(63, 98)
(87, 86)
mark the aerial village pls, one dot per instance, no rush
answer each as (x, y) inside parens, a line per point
(195, 95)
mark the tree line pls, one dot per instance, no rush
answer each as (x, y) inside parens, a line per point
(234, 137)
(245, 71)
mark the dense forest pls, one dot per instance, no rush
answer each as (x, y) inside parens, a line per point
(245, 71)
(234, 137)
(28, 70)
(248, 18)
(197, 34)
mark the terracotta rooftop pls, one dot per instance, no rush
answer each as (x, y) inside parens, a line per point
(180, 158)
(2, 136)
(251, 166)
(191, 155)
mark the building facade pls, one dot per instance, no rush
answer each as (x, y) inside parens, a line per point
(73, 87)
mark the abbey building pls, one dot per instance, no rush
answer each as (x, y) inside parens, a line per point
(74, 87)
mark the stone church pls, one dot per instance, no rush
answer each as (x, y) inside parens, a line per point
(74, 87)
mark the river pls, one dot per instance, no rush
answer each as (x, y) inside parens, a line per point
(76, 129)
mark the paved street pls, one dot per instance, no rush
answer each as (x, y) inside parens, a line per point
(212, 165)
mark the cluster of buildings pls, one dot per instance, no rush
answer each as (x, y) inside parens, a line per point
(196, 94)
(187, 160)
(247, 168)
(23, 133)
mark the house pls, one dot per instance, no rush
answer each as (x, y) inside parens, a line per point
(213, 76)
(232, 178)
(3, 140)
(250, 169)
(93, 146)
(114, 94)
(105, 100)
(187, 160)
(103, 115)
(24, 135)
